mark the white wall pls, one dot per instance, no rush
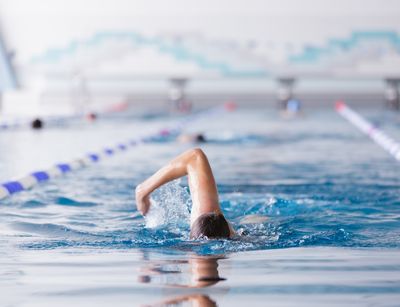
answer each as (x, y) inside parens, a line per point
(31, 27)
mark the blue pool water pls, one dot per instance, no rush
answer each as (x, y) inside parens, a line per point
(318, 181)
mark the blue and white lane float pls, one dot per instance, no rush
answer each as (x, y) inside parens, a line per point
(377, 135)
(22, 184)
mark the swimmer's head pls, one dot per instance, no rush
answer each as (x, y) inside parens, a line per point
(210, 225)
(192, 138)
(37, 123)
(200, 138)
(91, 117)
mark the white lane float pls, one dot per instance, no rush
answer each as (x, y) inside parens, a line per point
(377, 135)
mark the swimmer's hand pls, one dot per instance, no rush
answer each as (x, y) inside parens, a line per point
(142, 200)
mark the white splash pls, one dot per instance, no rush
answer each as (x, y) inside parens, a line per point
(169, 206)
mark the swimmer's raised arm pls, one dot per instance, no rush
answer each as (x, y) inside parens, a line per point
(206, 218)
(202, 185)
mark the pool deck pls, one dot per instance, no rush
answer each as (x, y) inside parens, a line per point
(281, 277)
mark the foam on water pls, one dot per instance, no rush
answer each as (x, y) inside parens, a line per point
(169, 206)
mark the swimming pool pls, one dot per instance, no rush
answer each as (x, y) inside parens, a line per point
(330, 195)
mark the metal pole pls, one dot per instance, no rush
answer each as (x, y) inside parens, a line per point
(176, 95)
(392, 94)
(285, 90)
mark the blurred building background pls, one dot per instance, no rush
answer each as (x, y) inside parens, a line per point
(64, 57)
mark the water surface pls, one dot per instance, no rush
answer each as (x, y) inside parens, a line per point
(320, 184)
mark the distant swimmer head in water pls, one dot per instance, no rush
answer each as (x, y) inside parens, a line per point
(200, 138)
(91, 117)
(37, 123)
(210, 225)
(192, 138)
(207, 219)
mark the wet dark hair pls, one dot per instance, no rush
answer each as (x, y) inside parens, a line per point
(200, 138)
(37, 123)
(210, 225)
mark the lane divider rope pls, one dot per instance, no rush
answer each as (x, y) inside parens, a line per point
(26, 182)
(377, 135)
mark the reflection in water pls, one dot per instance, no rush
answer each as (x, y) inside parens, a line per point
(196, 272)
(200, 300)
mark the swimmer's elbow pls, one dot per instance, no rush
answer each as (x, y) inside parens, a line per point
(139, 187)
(139, 191)
(198, 154)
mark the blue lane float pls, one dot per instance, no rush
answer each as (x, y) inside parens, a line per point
(22, 184)
(377, 135)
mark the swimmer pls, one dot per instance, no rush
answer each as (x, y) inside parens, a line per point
(37, 123)
(91, 117)
(192, 138)
(207, 219)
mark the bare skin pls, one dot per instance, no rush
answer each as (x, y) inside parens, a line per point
(203, 189)
(197, 300)
(203, 272)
